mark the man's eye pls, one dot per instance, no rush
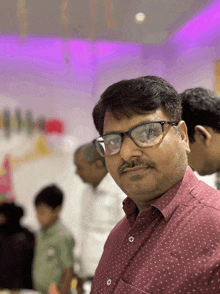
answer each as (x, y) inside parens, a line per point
(151, 131)
(148, 132)
(114, 142)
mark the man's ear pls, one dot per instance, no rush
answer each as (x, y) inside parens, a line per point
(182, 129)
(202, 135)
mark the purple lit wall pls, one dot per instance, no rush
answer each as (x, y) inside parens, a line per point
(193, 50)
(201, 28)
(65, 79)
(61, 79)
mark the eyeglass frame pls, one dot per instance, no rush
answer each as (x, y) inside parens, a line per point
(123, 134)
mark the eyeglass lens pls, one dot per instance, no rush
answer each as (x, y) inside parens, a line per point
(145, 135)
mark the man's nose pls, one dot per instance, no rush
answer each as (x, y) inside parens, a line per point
(129, 150)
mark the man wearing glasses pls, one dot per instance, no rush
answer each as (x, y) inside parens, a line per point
(169, 240)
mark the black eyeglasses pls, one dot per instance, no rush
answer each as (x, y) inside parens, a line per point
(144, 135)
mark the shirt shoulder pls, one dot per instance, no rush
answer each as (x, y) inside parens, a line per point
(207, 195)
(203, 212)
(64, 232)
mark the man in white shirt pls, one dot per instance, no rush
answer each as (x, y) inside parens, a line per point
(101, 208)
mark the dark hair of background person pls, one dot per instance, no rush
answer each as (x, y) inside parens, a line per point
(51, 196)
(137, 96)
(200, 107)
(12, 212)
(90, 153)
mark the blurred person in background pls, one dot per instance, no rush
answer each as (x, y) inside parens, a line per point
(53, 258)
(101, 208)
(16, 249)
(201, 112)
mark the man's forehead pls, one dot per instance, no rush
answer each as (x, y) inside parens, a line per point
(118, 116)
(111, 121)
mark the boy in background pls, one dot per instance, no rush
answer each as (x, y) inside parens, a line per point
(53, 259)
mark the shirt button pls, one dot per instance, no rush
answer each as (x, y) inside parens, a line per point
(109, 282)
(131, 239)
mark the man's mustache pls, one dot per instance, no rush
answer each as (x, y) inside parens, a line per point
(135, 163)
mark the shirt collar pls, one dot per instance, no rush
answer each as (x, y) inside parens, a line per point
(129, 207)
(51, 231)
(169, 201)
(178, 194)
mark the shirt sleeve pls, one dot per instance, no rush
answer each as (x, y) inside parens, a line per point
(66, 256)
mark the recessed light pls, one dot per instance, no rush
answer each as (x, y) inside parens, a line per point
(140, 17)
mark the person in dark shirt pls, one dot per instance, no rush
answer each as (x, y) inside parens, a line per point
(16, 249)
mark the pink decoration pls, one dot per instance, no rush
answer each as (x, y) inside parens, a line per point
(54, 125)
(6, 187)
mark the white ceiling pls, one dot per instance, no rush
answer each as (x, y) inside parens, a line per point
(164, 17)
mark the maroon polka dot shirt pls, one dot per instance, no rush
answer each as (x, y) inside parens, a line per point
(173, 247)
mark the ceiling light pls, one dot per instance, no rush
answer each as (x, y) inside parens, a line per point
(140, 17)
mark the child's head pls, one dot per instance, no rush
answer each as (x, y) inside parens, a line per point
(48, 204)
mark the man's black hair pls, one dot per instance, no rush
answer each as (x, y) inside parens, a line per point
(51, 196)
(200, 107)
(137, 96)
